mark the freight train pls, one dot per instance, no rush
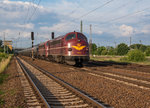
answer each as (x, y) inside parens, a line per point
(72, 48)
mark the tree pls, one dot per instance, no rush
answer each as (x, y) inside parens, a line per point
(135, 46)
(104, 52)
(1, 42)
(1, 49)
(100, 49)
(139, 47)
(143, 48)
(122, 49)
(94, 48)
(111, 51)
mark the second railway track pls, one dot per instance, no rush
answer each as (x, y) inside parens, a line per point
(55, 92)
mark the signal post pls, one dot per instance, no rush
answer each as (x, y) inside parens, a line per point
(32, 38)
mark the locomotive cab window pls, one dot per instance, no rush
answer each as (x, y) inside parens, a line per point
(70, 36)
(82, 37)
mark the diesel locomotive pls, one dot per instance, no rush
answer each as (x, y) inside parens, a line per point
(72, 48)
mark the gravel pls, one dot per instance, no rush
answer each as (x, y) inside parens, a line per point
(116, 94)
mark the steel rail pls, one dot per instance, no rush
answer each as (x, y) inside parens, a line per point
(46, 105)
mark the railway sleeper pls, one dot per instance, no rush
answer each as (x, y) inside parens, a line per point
(61, 97)
(66, 103)
(74, 106)
(64, 100)
(57, 95)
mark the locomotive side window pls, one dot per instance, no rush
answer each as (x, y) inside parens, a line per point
(56, 42)
(47, 44)
(70, 36)
(82, 37)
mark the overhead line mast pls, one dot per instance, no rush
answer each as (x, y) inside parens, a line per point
(90, 41)
(81, 27)
(4, 42)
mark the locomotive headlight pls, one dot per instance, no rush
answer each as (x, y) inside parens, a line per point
(69, 45)
(69, 49)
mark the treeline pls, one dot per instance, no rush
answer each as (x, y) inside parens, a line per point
(121, 49)
(7, 49)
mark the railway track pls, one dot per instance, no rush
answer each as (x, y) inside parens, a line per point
(128, 77)
(122, 77)
(53, 92)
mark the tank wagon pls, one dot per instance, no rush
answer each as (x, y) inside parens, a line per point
(70, 48)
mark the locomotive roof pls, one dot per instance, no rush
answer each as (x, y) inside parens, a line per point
(57, 38)
(60, 37)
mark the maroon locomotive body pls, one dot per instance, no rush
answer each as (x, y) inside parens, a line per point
(72, 48)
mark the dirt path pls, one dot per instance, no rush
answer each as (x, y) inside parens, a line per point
(11, 93)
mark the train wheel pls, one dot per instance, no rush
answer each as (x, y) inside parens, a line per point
(78, 64)
(62, 59)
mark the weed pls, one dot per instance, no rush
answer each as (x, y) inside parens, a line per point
(4, 64)
(1, 92)
(2, 102)
(3, 77)
(12, 92)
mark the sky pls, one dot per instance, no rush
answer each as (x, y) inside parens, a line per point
(113, 21)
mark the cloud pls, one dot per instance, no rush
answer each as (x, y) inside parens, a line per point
(126, 30)
(96, 30)
(62, 16)
(27, 26)
(146, 29)
(62, 27)
(15, 16)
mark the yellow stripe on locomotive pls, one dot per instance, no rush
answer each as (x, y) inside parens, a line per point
(78, 47)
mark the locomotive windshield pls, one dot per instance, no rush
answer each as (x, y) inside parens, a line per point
(82, 37)
(70, 36)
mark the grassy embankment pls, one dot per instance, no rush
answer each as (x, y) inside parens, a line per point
(118, 59)
(4, 61)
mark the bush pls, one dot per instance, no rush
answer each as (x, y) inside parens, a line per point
(136, 55)
(147, 52)
(104, 52)
(111, 51)
(1, 50)
(2, 55)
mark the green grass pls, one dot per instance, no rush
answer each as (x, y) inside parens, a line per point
(4, 63)
(119, 59)
(1, 92)
(106, 58)
(2, 102)
(4, 55)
